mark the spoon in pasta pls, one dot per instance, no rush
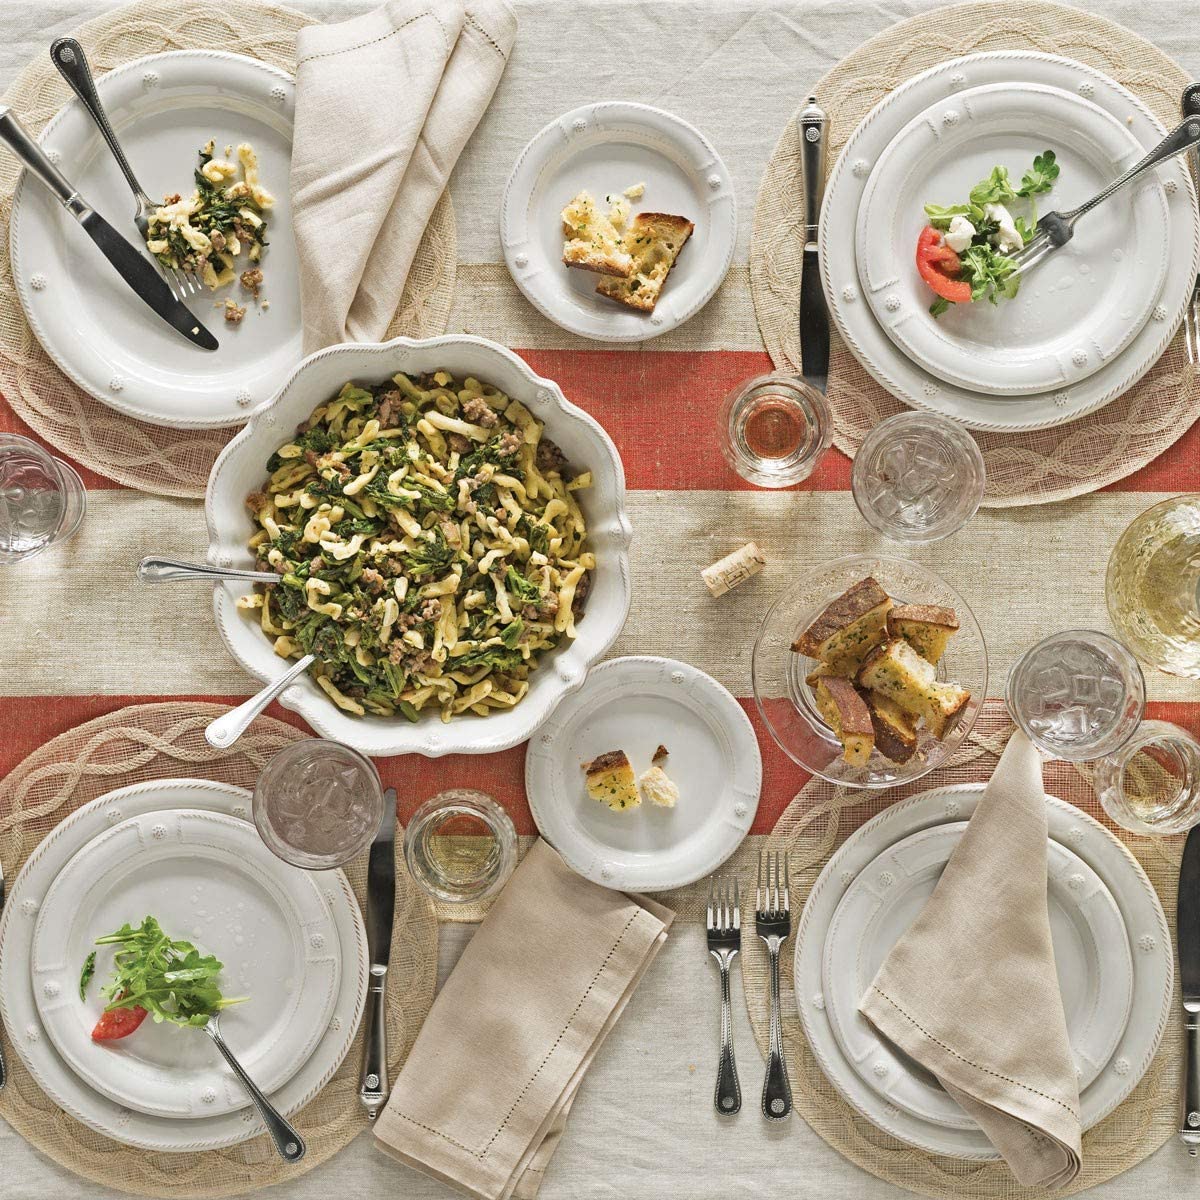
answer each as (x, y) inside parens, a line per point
(226, 729)
(175, 570)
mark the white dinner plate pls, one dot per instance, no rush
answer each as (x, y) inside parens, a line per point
(163, 108)
(1091, 955)
(19, 1006)
(208, 879)
(1135, 897)
(635, 704)
(894, 370)
(1077, 310)
(604, 149)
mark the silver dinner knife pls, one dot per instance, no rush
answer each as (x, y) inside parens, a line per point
(138, 272)
(3, 1067)
(1187, 939)
(813, 129)
(381, 906)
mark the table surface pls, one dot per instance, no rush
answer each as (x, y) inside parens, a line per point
(737, 70)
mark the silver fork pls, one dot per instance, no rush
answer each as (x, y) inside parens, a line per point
(68, 56)
(724, 943)
(1191, 314)
(1056, 229)
(773, 923)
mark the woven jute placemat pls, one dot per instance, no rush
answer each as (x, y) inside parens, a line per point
(154, 458)
(160, 741)
(811, 829)
(1022, 468)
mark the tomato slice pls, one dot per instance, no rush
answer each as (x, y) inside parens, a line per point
(118, 1023)
(939, 267)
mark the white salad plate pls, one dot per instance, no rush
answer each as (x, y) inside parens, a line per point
(208, 879)
(20, 1006)
(1091, 954)
(636, 704)
(1072, 314)
(164, 108)
(867, 340)
(604, 149)
(1137, 902)
(242, 469)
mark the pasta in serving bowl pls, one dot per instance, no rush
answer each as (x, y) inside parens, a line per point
(437, 514)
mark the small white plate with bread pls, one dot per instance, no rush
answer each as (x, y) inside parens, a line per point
(646, 778)
(618, 221)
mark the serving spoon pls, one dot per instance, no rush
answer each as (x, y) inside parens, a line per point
(230, 726)
(1056, 229)
(175, 570)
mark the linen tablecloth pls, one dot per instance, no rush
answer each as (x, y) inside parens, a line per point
(81, 637)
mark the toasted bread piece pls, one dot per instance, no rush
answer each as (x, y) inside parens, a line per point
(925, 627)
(659, 755)
(654, 241)
(592, 241)
(820, 671)
(848, 629)
(895, 730)
(610, 780)
(846, 712)
(897, 671)
(658, 788)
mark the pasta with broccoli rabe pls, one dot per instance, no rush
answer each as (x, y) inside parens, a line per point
(429, 547)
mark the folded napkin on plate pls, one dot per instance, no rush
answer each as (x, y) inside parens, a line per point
(485, 1092)
(970, 991)
(384, 105)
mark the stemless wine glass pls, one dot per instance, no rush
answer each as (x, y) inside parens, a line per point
(42, 499)
(773, 430)
(1152, 784)
(1078, 695)
(318, 803)
(918, 477)
(460, 846)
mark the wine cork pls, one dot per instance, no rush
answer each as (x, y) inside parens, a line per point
(733, 569)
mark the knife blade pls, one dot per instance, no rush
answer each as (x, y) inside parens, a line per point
(381, 908)
(136, 270)
(812, 129)
(1187, 940)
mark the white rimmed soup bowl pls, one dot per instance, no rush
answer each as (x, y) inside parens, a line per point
(242, 469)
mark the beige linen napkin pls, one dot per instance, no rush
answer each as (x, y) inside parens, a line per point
(970, 991)
(384, 105)
(484, 1094)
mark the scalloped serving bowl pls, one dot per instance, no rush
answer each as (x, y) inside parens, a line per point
(241, 469)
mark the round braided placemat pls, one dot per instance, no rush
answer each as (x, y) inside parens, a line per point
(153, 458)
(1022, 468)
(814, 825)
(160, 741)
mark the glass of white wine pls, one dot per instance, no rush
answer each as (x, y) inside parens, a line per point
(1152, 784)
(1153, 586)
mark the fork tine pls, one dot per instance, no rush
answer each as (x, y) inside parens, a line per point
(787, 882)
(728, 924)
(758, 891)
(773, 883)
(737, 904)
(712, 892)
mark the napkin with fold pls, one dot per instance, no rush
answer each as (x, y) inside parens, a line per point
(484, 1094)
(384, 105)
(971, 993)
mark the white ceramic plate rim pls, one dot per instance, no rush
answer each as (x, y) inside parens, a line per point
(552, 813)
(1093, 1044)
(871, 346)
(18, 1008)
(544, 148)
(1149, 933)
(1006, 370)
(562, 672)
(100, 385)
(307, 1010)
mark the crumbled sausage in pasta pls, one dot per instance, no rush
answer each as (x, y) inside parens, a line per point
(428, 546)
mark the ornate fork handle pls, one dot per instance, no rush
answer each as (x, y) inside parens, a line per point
(777, 1091)
(728, 1098)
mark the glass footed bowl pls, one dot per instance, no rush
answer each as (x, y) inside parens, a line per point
(787, 703)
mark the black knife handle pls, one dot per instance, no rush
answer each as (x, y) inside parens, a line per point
(68, 56)
(1191, 100)
(813, 130)
(33, 158)
(1189, 1125)
(373, 1085)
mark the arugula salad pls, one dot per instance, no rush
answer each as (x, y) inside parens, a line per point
(965, 252)
(154, 975)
